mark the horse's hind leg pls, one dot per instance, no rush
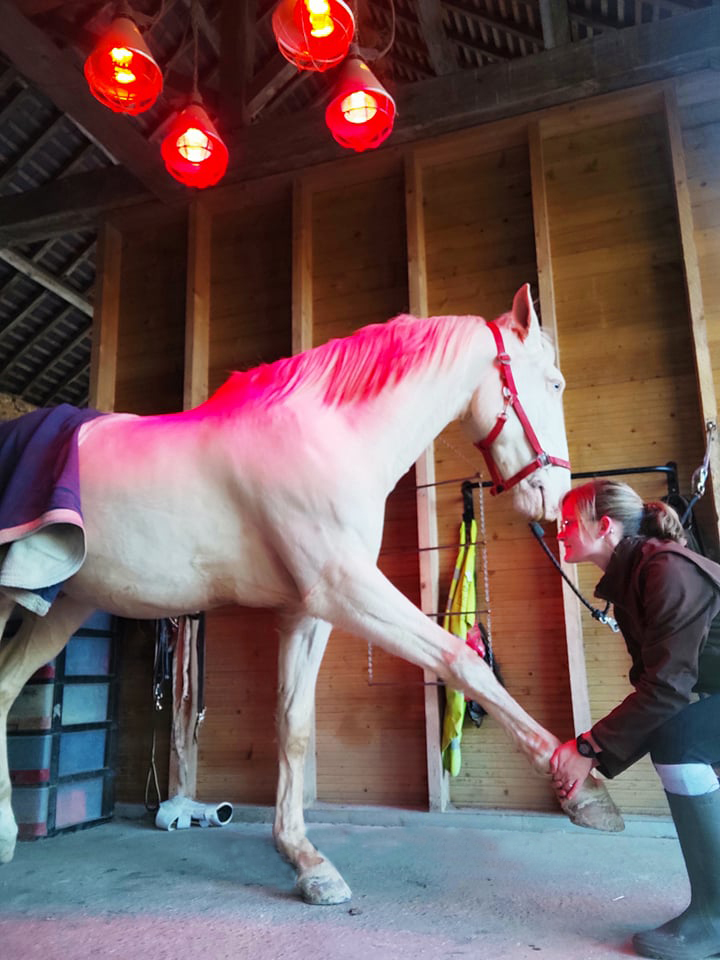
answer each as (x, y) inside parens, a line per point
(302, 645)
(38, 640)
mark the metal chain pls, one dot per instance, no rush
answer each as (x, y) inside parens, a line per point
(486, 578)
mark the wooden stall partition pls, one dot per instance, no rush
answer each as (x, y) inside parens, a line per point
(480, 248)
(246, 296)
(370, 727)
(425, 492)
(624, 337)
(150, 339)
(697, 105)
(137, 367)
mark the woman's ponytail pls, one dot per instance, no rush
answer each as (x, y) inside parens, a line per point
(661, 521)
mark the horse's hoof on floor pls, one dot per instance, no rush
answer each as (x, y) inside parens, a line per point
(594, 808)
(322, 889)
(7, 847)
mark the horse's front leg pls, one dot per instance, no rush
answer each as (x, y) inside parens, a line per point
(364, 602)
(38, 640)
(302, 645)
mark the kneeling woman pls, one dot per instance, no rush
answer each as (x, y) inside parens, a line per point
(665, 597)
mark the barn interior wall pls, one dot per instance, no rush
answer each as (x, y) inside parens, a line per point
(480, 249)
(294, 262)
(144, 375)
(623, 321)
(370, 740)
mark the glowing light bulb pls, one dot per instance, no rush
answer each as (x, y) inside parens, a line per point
(193, 145)
(359, 107)
(321, 23)
(121, 59)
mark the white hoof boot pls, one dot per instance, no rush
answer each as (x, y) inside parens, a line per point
(181, 812)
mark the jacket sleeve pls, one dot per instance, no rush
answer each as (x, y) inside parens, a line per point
(677, 599)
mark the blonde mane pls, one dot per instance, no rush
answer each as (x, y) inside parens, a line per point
(357, 367)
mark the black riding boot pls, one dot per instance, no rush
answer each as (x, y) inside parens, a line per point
(695, 934)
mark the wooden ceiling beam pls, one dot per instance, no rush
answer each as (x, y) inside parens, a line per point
(440, 50)
(494, 23)
(268, 82)
(555, 23)
(636, 55)
(58, 76)
(47, 280)
(237, 58)
(67, 205)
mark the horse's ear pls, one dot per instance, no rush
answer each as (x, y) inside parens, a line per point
(523, 319)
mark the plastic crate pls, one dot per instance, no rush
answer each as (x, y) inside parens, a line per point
(88, 656)
(82, 751)
(84, 703)
(79, 802)
(29, 758)
(33, 709)
(31, 808)
(61, 744)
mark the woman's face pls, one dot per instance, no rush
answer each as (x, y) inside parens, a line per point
(582, 540)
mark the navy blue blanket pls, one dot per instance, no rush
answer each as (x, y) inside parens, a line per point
(42, 540)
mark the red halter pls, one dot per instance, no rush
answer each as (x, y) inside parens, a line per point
(510, 396)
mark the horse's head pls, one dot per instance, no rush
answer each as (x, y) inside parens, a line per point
(517, 417)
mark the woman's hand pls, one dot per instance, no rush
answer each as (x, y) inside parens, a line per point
(569, 770)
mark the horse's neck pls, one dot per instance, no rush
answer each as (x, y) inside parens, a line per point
(403, 421)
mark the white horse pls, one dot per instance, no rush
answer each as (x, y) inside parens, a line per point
(272, 494)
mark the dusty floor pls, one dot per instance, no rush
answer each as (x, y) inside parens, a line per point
(486, 887)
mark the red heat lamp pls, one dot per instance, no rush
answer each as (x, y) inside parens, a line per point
(313, 34)
(361, 114)
(121, 71)
(192, 150)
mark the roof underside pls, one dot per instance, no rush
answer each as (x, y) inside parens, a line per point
(46, 283)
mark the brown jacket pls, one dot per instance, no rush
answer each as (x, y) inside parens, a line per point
(664, 597)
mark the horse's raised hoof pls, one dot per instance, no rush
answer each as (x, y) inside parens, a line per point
(322, 886)
(593, 807)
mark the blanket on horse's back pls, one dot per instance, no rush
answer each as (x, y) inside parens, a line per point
(42, 539)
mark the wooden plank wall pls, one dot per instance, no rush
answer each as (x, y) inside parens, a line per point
(698, 112)
(623, 321)
(250, 295)
(370, 724)
(480, 249)
(140, 370)
(608, 207)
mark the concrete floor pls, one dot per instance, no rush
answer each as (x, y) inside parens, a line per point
(425, 887)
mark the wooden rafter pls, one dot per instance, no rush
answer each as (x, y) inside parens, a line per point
(440, 50)
(237, 58)
(66, 205)
(635, 55)
(555, 23)
(465, 10)
(47, 280)
(54, 72)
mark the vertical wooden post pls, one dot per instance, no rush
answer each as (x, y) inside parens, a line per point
(302, 339)
(302, 267)
(197, 306)
(573, 619)
(106, 315)
(693, 285)
(182, 777)
(438, 780)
